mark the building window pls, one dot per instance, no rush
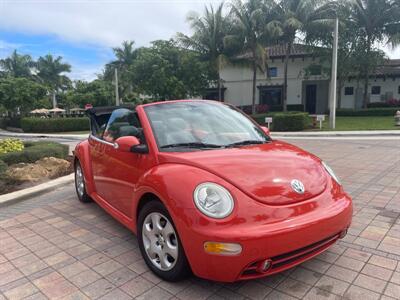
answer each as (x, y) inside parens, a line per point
(398, 90)
(271, 96)
(273, 72)
(349, 90)
(376, 90)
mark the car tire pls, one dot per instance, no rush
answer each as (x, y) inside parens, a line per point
(164, 240)
(80, 186)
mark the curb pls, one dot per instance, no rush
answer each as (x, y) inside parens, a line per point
(39, 189)
(367, 133)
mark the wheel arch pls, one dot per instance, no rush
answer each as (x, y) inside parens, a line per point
(82, 155)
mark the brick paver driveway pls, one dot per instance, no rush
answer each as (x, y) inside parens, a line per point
(54, 247)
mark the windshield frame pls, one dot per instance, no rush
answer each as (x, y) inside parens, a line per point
(160, 148)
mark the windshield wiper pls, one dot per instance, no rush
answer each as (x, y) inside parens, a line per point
(192, 145)
(246, 142)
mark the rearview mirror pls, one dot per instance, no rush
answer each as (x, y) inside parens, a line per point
(126, 143)
(266, 130)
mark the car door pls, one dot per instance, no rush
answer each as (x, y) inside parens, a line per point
(117, 172)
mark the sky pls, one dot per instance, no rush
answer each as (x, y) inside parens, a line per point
(83, 32)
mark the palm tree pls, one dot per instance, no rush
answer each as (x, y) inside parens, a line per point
(50, 72)
(291, 17)
(249, 37)
(125, 55)
(17, 65)
(209, 30)
(378, 21)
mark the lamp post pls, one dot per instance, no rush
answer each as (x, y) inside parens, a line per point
(332, 98)
(116, 87)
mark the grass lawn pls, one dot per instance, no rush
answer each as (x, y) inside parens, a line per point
(360, 123)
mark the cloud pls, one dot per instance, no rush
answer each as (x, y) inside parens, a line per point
(103, 23)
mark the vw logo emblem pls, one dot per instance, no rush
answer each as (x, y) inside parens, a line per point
(297, 186)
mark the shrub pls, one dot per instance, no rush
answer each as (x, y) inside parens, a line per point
(384, 111)
(34, 151)
(3, 167)
(54, 124)
(11, 145)
(388, 103)
(290, 121)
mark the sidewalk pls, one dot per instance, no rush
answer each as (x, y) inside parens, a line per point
(5, 133)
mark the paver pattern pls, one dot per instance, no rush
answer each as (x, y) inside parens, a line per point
(54, 247)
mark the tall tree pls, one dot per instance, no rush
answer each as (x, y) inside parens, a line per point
(51, 72)
(377, 22)
(125, 57)
(17, 65)
(289, 18)
(165, 71)
(209, 31)
(20, 93)
(249, 37)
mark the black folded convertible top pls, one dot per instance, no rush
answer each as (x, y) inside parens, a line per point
(103, 110)
(99, 115)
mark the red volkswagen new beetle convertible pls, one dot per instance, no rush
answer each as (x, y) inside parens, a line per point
(208, 191)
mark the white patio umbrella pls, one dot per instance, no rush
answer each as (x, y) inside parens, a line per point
(56, 110)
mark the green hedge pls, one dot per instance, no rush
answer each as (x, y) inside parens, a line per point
(290, 121)
(384, 111)
(34, 151)
(54, 124)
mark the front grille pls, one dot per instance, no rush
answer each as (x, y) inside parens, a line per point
(284, 260)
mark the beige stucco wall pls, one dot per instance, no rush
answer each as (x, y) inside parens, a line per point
(238, 80)
(238, 83)
(389, 89)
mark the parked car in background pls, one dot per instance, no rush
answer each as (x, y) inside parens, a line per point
(207, 190)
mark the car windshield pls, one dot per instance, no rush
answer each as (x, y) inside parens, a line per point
(194, 125)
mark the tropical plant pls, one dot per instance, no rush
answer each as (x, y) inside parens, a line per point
(17, 65)
(51, 73)
(209, 31)
(248, 38)
(11, 145)
(376, 22)
(125, 56)
(289, 18)
(20, 94)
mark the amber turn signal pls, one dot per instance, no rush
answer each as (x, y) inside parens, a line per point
(222, 248)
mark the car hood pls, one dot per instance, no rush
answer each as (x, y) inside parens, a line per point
(264, 172)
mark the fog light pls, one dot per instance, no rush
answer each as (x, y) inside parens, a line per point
(265, 265)
(343, 234)
(222, 248)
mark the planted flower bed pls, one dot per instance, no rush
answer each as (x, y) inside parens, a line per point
(24, 164)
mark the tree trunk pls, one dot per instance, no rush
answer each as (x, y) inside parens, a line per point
(253, 100)
(54, 99)
(366, 74)
(285, 75)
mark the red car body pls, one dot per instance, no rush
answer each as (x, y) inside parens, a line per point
(269, 220)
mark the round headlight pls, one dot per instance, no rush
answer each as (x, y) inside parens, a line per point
(330, 171)
(213, 200)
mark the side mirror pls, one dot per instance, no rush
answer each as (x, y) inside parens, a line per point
(126, 143)
(266, 130)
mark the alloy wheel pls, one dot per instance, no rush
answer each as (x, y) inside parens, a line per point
(160, 241)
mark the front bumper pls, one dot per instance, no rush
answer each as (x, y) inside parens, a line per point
(287, 235)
